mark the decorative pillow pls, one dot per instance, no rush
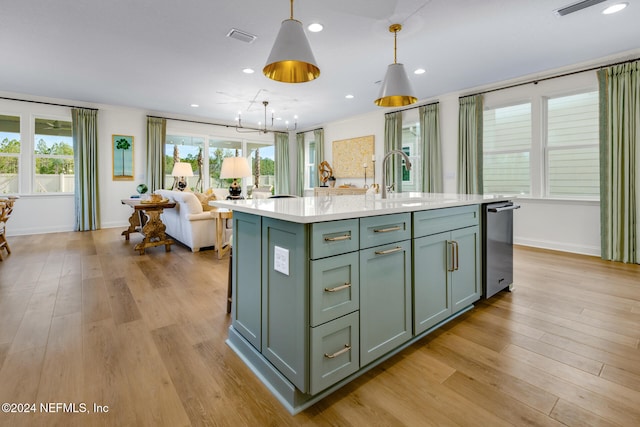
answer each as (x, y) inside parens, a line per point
(205, 199)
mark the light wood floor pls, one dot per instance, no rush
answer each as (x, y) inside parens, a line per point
(85, 319)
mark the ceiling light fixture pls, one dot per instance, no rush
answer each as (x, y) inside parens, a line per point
(315, 27)
(419, 71)
(291, 59)
(396, 89)
(615, 8)
(242, 129)
(248, 70)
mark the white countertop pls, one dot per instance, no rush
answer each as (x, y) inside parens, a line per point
(307, 210)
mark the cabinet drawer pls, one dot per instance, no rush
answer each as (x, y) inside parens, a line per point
(335, 350)
(335, 287)
(435, 221)
(383, 229)
(334, 238)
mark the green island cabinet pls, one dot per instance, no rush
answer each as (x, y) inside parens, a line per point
(317, 304)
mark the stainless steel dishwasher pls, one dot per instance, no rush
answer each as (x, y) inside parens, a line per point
(497, 260)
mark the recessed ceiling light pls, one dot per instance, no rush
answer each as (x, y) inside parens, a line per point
(420, 71)
(248, 70)
(615, 8)
(349, 96)
(195, 105)
(315, 27)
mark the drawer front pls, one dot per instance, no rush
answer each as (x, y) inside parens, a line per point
(335, 287)
(334, 238)
(384, 229)
(435, 221)
(335, 351)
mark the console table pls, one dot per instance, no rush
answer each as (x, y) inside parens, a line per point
(145, 219)
(338, 191)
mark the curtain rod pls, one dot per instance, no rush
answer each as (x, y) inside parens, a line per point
(46, 103)
(312, 130)
(215, 124)
(536, 81)
(413, 107)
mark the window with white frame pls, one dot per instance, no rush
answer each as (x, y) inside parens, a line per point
(572, 149)
(547, 147)
(506, 149)
(411, 146)
(206, 153)
(9, 154)
(310, 172)
(53, 156)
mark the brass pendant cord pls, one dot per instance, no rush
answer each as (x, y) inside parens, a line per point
(291, 9)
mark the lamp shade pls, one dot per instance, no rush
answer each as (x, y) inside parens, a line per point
(182, 169)
(291, 59)
(396, 90)
(235, 167)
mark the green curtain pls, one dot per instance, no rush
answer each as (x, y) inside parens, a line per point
(619, 162)
(470, 145)
(300, 174)
(156, 137)
(85, 152)
(431, 152)
(281, 142)
(393, 141)
(318, 137)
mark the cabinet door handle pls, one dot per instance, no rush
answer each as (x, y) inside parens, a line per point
(457, 258)
(389, 251)
(338, 288)
(451, 264)
(346, 348)
(386, 230)
(338, 238)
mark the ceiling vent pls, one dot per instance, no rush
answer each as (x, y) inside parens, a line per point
(243, 36)
(576, 7)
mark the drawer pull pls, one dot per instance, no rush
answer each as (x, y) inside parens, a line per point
(389, 251)
(346, 348)
(338, 288)
(337, 238)
(386, 230)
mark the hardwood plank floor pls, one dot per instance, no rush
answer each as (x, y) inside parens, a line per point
(85, 319)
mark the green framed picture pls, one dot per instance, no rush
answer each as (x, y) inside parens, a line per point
(122, 147)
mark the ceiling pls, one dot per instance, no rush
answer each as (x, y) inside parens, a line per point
(164, 55)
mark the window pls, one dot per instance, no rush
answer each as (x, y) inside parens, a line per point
(9, 154)
(410, 146)
(572, 151)
(546, 147)
(206, 153)
(506, 149)
(310, 172)
(53, 156)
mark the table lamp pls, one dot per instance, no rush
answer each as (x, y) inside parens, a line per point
(235, 167)
(180, 171)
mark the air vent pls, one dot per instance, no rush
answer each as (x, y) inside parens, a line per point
(576, 7)
(243, 36)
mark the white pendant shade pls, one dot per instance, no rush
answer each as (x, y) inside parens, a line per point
(291, 59)
(396, 90)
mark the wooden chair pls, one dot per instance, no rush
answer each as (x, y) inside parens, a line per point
(6, 208)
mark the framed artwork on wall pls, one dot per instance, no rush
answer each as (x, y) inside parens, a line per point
(122, 148)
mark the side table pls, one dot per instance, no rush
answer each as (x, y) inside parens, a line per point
(145, 219)
(221, 216)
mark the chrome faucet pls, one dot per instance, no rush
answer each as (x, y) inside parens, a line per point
(384, 168)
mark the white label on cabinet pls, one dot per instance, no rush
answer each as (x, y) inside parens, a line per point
(281, 260)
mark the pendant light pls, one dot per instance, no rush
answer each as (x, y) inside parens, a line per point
(396, 89)
(291, 59)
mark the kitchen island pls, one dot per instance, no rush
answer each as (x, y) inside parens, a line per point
(326, 288)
